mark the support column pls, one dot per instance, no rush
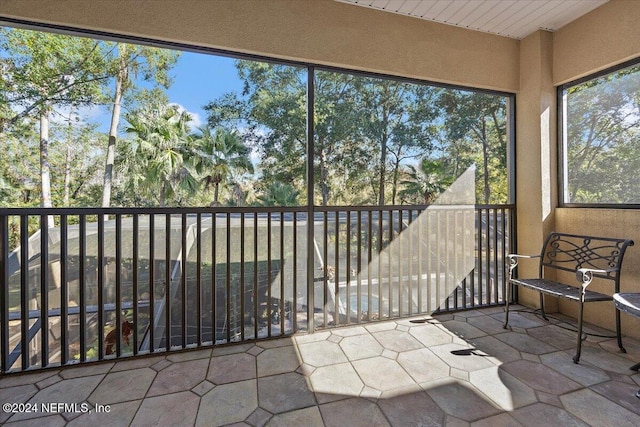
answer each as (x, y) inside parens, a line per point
(536, 153)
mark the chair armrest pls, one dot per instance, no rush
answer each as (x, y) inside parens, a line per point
(513, 259)
(585, 275)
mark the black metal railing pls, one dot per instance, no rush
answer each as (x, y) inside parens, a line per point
(85, 284)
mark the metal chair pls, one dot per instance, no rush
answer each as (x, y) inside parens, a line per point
(630, 304)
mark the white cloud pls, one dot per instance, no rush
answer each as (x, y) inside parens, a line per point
(196, 120)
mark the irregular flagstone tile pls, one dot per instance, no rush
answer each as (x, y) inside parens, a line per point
(360, 347)
(120, 414)
(501, 420)
(231, 368)
(355, 412)
(541, 414)
(258, 418)
(322, 398)
(321, 353)
(382, 374)
(178, 409)
(180, 376)
(274, 343)
(605, 360)
(462, 357)
(136, 362)
(525, 343)
(397, 340)
(548, 398)
(183, 356)
(416, 409)
(308, 417)
(504, 390)
(339, 379)
(23, 379)
(381, 326)
(540, 377)
(349, 331)
(423, 365)
(621, 393)
(309, 338)
(123, 386)
(285, 392)
(16, 394)
(277, 361)
(581, 373)
(73, 391)
(555, 336)
(463, 329)
(230, 349)
(501, 352)
(49, 421)
(334, 338)
(430, 335)
(460, 399)
(83, 371)
(521, 319)
(203, 388)
(486, 324)
(228, 403)
(597, 410)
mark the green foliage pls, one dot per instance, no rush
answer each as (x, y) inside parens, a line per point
(279, 194)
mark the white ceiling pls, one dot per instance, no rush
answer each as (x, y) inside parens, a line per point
(511, 18)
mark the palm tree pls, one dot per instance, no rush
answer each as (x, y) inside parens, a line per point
(279, 194)
(218, 155)
(159, 156)
(424, 183)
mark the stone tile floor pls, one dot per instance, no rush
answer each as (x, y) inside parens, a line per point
(455, 370)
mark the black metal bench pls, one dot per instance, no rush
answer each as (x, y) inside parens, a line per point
(585, 256)
(630, 304)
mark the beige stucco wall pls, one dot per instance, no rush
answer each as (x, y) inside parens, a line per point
(318, 31)
(602, 38)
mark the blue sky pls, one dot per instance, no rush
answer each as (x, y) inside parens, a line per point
(200, 78)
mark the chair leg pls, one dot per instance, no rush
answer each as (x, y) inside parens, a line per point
(506, 307)
(576, 358)
(544, 315)
(619, 332)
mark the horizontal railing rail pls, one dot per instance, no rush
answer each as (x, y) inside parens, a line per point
(89, 284)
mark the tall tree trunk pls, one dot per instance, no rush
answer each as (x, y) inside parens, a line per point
(396, 175)
(121, 79)
(45, 167)
(216, 190)
(383, 167)
(485, 161)
(67, 174)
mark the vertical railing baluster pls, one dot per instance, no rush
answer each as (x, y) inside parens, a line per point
(348, 269)
(82, 285)
(369, 260)
(269, 278)
(325, 268)
(167, 282)
(228, 278)
(429, 229)
(359, 268)
(294, 303)
(64, 291)
(495, 255)
(446, 266)
(256, 287)
(479, 257)
(438, 259)
(152, 282)
(456, 259)
(135, 241)
(420, 240)
(336, 269)
(282, 312)
(183, 280)
(242, 306)
(390, 255)
(410, 261)
(400, 262)
(503, 285)
(214, 278)
(100, 289)
(199, 279)
(488, 282)
(24, 291)
(4, 293)
(380, 238)
(44, 290)
(118, 285)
